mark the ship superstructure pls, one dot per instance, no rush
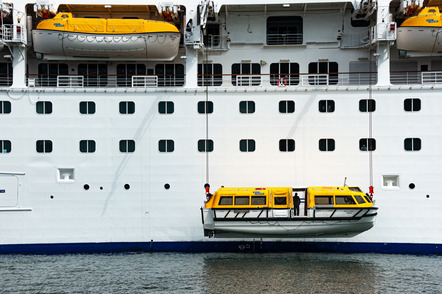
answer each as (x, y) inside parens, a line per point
(110, 151)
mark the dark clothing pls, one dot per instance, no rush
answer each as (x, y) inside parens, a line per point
(296, 202)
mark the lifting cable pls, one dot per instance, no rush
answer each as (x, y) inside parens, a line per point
(370, 141)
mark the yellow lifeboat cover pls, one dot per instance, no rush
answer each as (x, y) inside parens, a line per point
(428, 17)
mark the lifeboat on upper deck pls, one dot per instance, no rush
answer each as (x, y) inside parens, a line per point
(65, 35)
(422, 32)
(284, 212)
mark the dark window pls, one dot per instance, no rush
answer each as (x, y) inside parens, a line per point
(247, 145)
(284, 74)
(5, 74)
(258, 200)
(246, 74)
(284, 30)
(323, 73)
(166, 107)
(170, 75)
(5, 146)
(127, 145)
(242, 200)
(327, 144)
(87, 146)
(210, 74)
(87, 107)
(412, 144)
(126, 71)
(93, 74)
(287, 145)
(367, 105)
(412, 104)
(326, 105)
(127, 107)
(43, 107)
(205, 107)
(205, 145)
(44, 146)
(5, 107)
(366, 144)
(362, 22)
(212, 36)
(286, 106)
(359, 199)
(280, 200)
(48, 72)
(323, 200)
(247, 106)
(166, 145)
(226, 200)
(344, 200)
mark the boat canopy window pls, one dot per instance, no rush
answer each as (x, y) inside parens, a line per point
(359, 199)
(258, 200)
(226, 200)
(368, 199)
(354, 189)
(344, 200)
(242, 200)
(284, 30)
(280, 200)
(323, 200)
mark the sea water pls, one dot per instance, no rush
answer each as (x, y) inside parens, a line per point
(220, 273)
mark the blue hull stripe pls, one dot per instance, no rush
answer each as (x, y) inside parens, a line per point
(223, 246)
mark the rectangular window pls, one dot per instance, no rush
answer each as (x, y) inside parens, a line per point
(280, 200)
(284, 74)
(323, 200)
(170, 75)
(6, 74)
(87, 146)
(367, 105)
(127, 107)
(326, 106)
(247, 107)
(359, 199)
(44, 107)
(210, 74)
(127, 146)
(205, 145)
(44, 146)
(367, 144)
(327, 144)
(212, 36)
(412, 144)
(287, 145)
(5, 107)
(344, 200)
(226, 200)
(246, 74)
(258, 200)
(93, 74)
(87, 107)
(166, 145)
(284, 30)
(48, 72)
(286, 106)
(5, 146)
(126, 71)
(412, 104)
(247, 145)
(166, 107)
(242, 200)
(323, 73)
(205, 107)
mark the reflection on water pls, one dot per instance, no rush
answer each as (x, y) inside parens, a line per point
(220, 273)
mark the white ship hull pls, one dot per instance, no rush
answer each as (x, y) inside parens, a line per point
(422, 39)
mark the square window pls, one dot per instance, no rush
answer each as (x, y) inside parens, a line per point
(287, 145)
(44, 146)
(367, 105)
(127, 146)
(286, 106)
(326, 144)
(166, 107)
(367, 144)
(412, 144)
(5, 146)
(247, 107)
(412, 104)
(247, 145)
(5, 107)
(205, 145)
(326, 106)
(87, 146)
(43, 107)
(127, 107)
(205, 107)
(166, 145)
(87, 107)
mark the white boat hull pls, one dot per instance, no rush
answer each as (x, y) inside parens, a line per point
(151, 46)
(422, 39)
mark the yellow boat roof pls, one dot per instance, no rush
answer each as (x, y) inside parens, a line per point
(65, 22)
(427, 17)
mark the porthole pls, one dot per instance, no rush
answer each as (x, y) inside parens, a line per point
(412, 186)
(127, 186)
(86, 187)
(428, 196)
(167, 186)
(52, 196)
(101, 188)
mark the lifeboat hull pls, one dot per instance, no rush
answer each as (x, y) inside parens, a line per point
(422, 39)
(161, 46)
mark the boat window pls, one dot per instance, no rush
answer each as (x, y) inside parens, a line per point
(323, 73)
(126, 71)
(344, 200)
(368, 199)
(326, 106)
(205, 145)
(258, 200)
(432, 10)
(166, 145)
(247, 145)
(226, 200)
(367, 105)
(323, 200)
(127, 107)
(212, 36)
(354, 189)
(48, 72)
(87, 146)
(412, 144)
(210, 74)
(284, 30)
(127, 146)
(44, 146)
(284, 73)
(43, 107)
(170, 75)
(205, 107)
(166, 107)
(367, 144)
(359, 199)
(280, 200)
(65, 16)
(246, 74)
(247, 106)
(5, 107)
(286, 106)
(242, 200)
(5, 146)
(362, 22)
(287, 145)
(326, 144)
(5, 74)
(87, 107)
(412, 104)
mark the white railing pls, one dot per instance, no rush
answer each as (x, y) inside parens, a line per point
(248, 80)
(429, 77)
(144, 81)
(355, 40)
(215, 42)
(284, 39)
(383, 32)
(13, 33)
(70, 81)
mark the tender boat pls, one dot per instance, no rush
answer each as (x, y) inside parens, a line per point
(65, 35)
(270, 212)
(422, 32)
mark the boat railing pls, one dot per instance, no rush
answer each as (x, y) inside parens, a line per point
(144, 81)
(248, 80)
(13, 33)
(284, 39)
(215, 42)
(70, 81)
(431, 77)
(385, 31)
(350, 41)
(5, 80)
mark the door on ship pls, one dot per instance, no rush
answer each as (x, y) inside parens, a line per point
(301, 194)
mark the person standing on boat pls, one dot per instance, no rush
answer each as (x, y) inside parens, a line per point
(296, 202)
(189, 28)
